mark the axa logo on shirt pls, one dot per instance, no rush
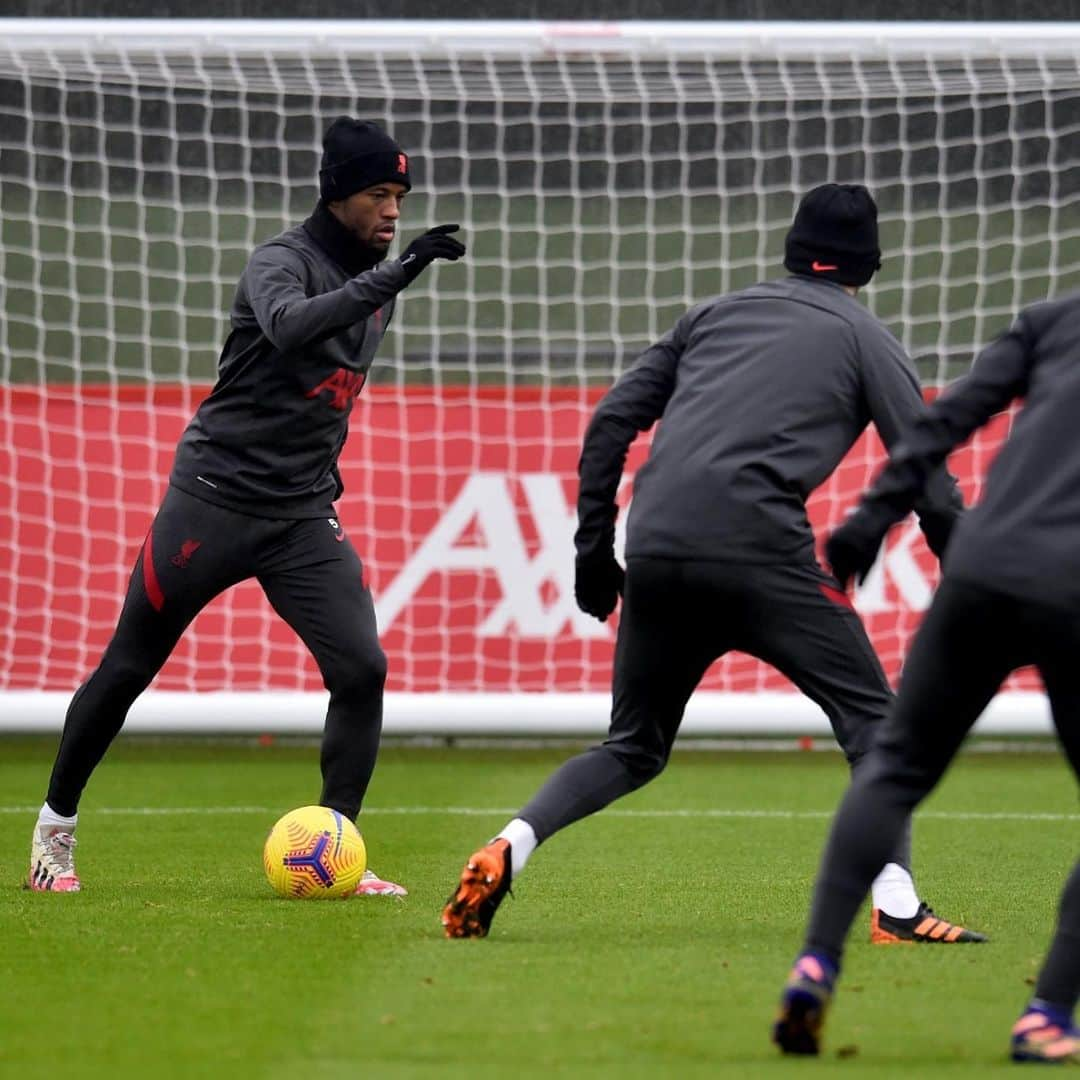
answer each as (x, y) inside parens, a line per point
(481, 532)
(342, 386)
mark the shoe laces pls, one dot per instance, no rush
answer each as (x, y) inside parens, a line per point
(60, 847)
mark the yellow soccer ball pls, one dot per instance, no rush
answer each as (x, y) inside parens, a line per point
(314, 853)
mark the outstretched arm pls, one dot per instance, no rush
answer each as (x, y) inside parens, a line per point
(896, 404)
(999, 375)
(291, 319)
(631, 406)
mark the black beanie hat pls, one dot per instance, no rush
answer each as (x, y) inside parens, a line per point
(834, 235)
(358, 154)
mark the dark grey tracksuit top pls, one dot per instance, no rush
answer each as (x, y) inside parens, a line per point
(761, 393)
(306, 322)
(1023, 537)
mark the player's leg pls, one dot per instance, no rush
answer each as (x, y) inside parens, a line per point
(668, 635)
(663, 648)
(966, 646)
(315, 582)
(1047, 1031)
(180, 568)
(810, 632)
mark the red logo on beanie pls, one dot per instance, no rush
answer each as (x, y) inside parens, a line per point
(402, 164)
(820, 267)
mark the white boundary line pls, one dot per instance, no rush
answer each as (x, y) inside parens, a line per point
(709, 713)
(504, 811)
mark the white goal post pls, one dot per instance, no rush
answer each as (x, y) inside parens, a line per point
(606, 176)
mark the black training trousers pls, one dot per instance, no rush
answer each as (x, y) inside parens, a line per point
(313, 578)
(970, 641)
(677, 618)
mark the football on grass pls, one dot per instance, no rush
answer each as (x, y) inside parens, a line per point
(314, 853)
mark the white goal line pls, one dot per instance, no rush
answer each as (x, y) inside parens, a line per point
(712, 713)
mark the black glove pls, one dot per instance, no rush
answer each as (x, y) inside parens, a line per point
(598, 581)
(937, 530)
(852, 548)
(434, 244)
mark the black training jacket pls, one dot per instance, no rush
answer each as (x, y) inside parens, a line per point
(308, 315)
(1023, 537)
(760, 394)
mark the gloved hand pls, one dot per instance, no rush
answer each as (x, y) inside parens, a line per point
(598, 581)
(937, 530)
(434, 244)
(852, 548)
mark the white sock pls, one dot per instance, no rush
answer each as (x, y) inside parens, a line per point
(522, 844)
(48, 816)
(893, 892)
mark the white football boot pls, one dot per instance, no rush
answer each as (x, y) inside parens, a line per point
(373, 885)
(52, 860)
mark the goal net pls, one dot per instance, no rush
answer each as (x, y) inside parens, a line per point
(606, 176)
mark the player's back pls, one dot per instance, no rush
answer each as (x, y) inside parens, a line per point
(769, 396)
(1023, 536)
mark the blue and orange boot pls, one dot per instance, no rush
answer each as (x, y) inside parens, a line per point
(1045, 1036)
(803, 1005)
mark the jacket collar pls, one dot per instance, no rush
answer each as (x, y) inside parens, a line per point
(325, 229)
(817, 281)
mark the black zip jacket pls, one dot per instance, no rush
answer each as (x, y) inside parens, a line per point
(1023, 537)
(760, 394)
(309, 313)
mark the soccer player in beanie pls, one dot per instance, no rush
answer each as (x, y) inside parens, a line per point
(253, 485)
(1010, 596)
(761, 393)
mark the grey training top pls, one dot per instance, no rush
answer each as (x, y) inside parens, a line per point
(1023, 537)
(762, 392)
(306, 322)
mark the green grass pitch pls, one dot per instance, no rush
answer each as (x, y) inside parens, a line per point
(648, 941)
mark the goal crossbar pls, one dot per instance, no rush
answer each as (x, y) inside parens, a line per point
(652, 38)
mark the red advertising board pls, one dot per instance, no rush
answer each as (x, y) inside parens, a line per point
(460, 502)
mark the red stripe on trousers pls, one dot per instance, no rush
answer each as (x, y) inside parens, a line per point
(149, 574)
(837, 596)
